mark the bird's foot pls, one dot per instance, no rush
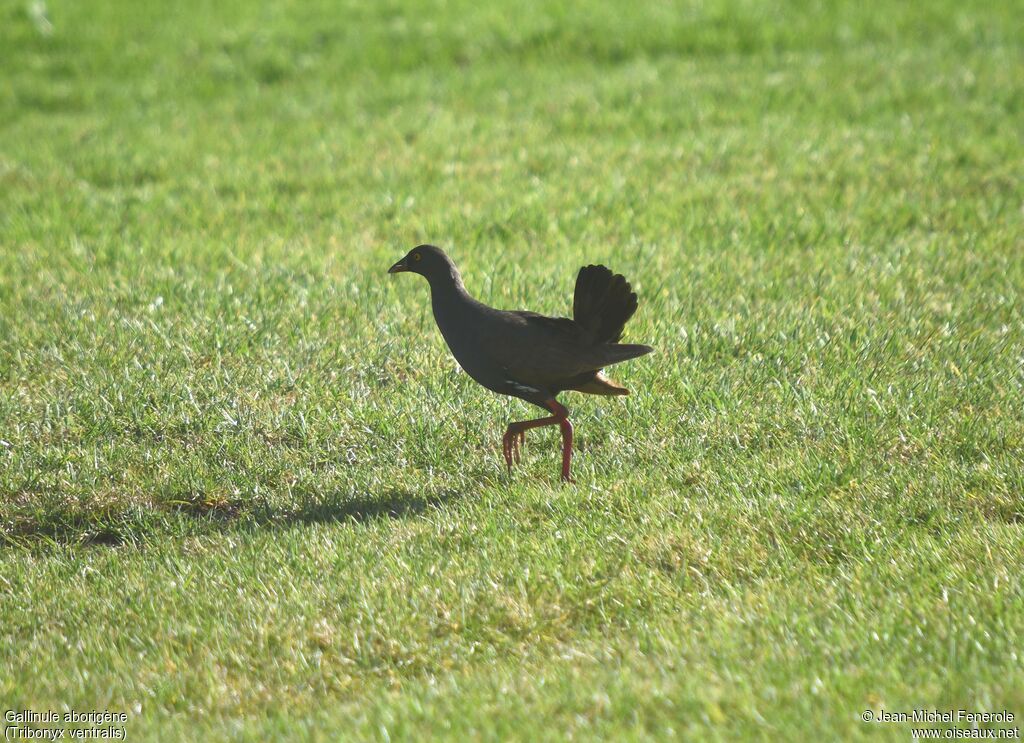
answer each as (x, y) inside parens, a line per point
(511, 445)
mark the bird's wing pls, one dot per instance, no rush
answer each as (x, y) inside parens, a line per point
(538, 350)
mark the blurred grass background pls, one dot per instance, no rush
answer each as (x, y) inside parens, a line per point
(244, 492)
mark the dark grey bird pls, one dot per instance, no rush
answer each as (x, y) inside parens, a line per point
(527, 355)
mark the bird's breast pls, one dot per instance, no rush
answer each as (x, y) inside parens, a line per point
(462, 331)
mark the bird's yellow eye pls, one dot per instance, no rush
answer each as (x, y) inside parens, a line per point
(417, 256)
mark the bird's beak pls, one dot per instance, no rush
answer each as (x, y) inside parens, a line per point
(399, 267)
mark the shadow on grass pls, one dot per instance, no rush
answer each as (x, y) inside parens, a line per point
(191, 516)
(392, 504)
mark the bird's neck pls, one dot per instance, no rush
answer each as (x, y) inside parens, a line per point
(450, 302)
(448, 288)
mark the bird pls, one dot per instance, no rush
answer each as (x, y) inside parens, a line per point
(530, 356)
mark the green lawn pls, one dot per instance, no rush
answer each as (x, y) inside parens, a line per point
(245, 492)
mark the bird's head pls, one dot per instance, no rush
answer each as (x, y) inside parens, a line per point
(426, 260)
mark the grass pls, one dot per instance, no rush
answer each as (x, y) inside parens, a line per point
(245, 493)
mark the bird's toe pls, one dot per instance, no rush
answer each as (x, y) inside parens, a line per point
(508, 446)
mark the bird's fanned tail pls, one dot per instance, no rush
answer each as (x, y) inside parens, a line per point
(602, 303)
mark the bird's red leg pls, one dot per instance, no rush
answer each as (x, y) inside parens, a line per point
(562, 416)
(515, 435)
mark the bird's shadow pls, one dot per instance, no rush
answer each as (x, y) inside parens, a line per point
(360, 508)
(201, 517)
